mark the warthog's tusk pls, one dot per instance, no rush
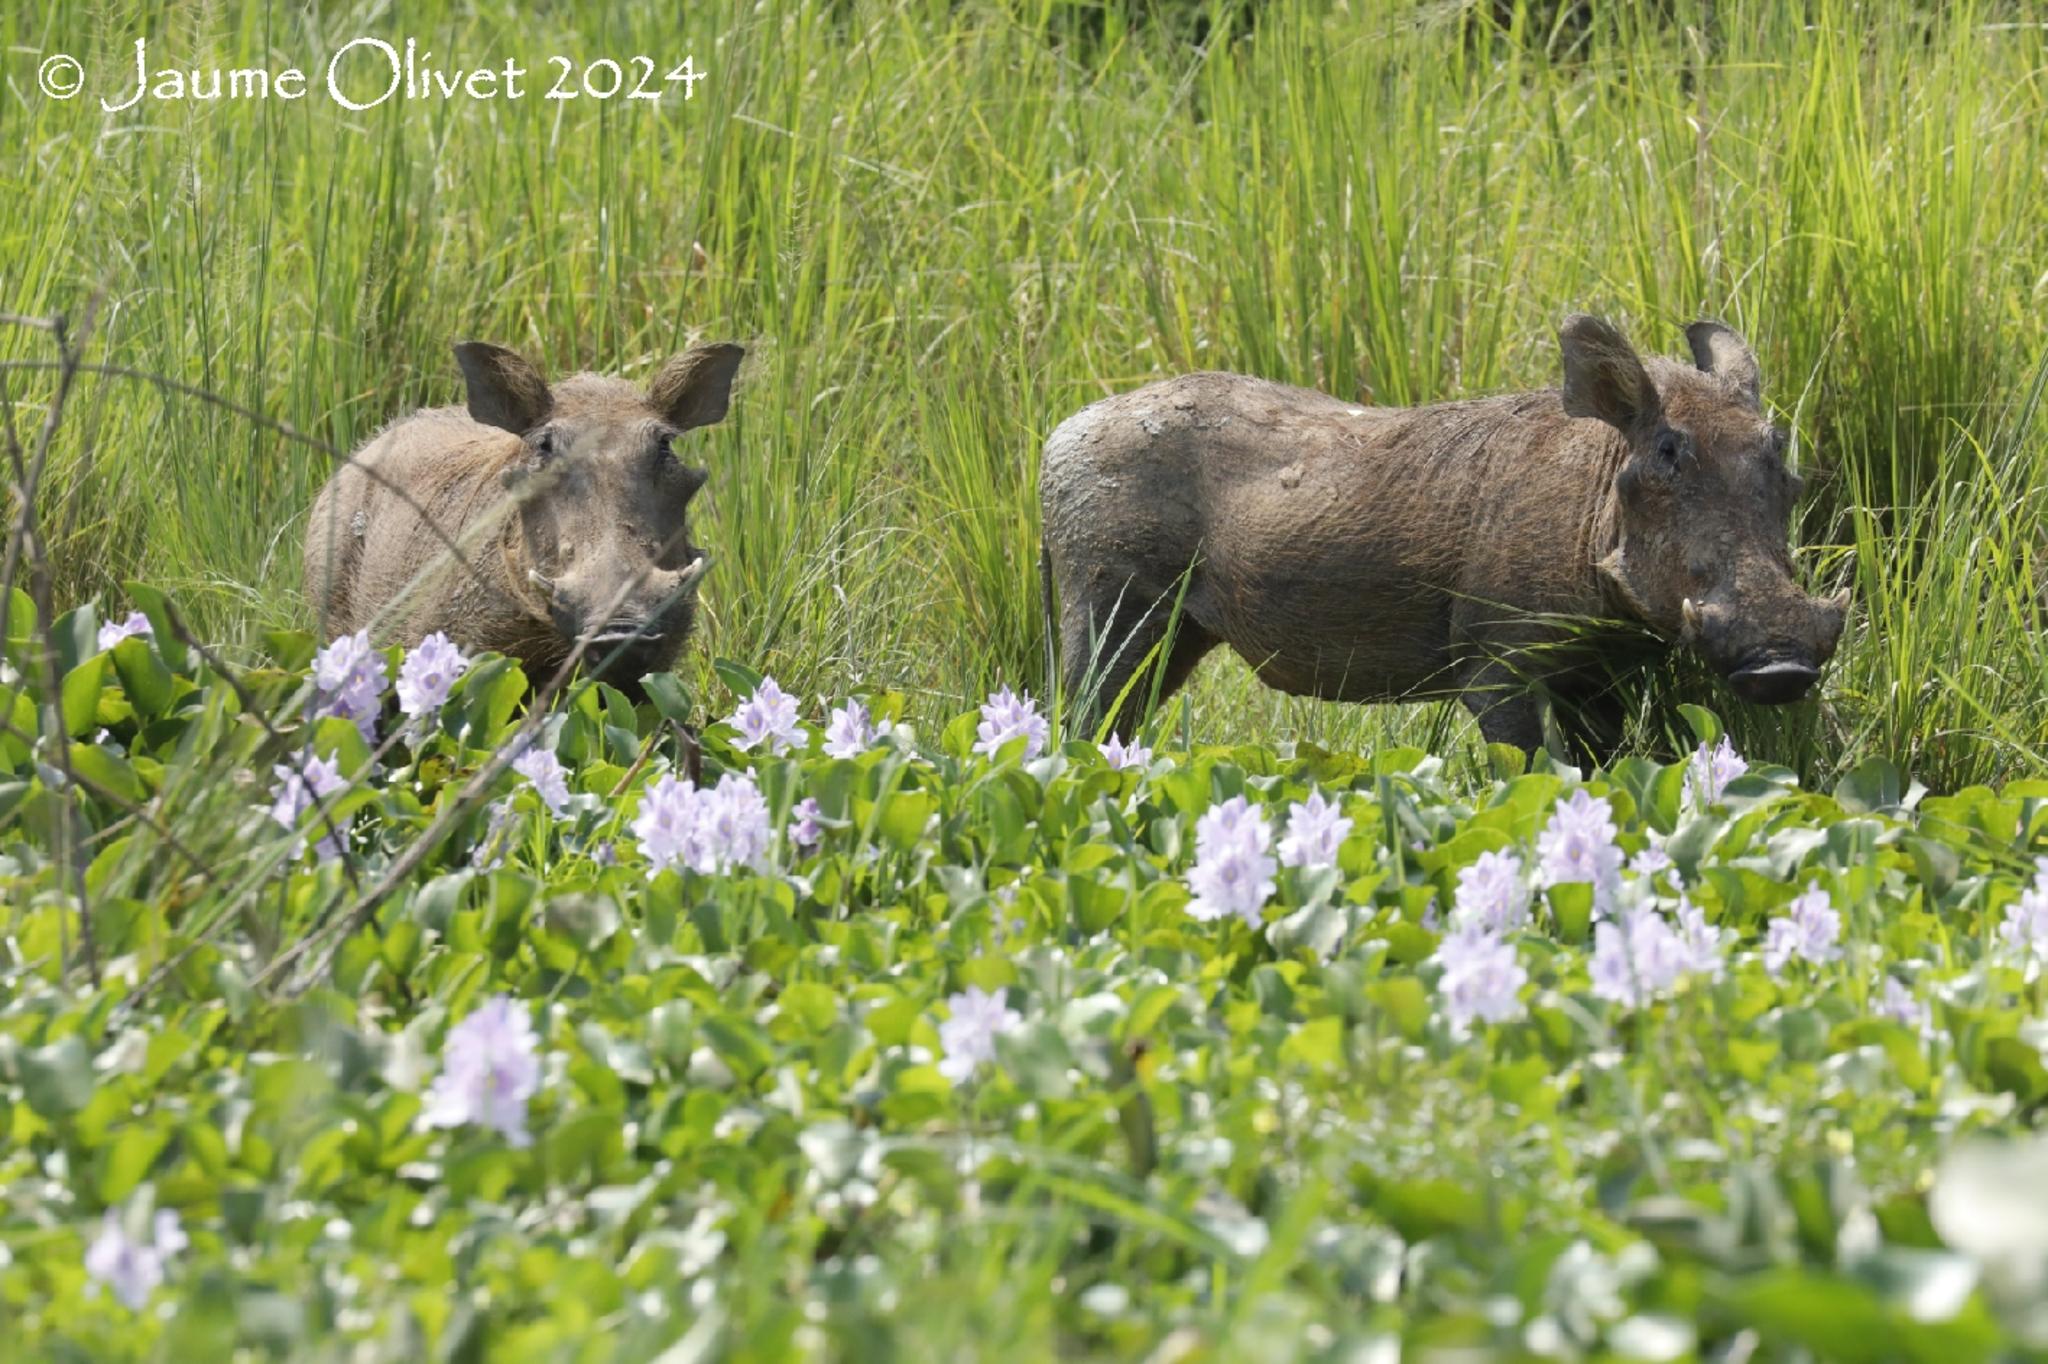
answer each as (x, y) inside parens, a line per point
(544, 584)
(1840, 600)
(1689, 613)
(687, 579)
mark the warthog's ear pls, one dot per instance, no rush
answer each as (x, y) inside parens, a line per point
(694, 388)
(1604, 378)
(1721, 353)
(504, 390)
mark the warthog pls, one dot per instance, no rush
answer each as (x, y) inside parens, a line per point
(1380, 554)
(566, 507)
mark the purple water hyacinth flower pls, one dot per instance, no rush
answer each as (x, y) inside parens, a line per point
(708, 830)
(1578, 845)
(975, 1018)
(1636, 958)
(1232, 821)
(487, 853)
(805, 830)
(1709, 770)
(2025, 928)
(1126, 757)
(1233, 872)
(337, 662)
(1481, 978)
(1316, 828)
(299, 789)
(1652, 862)
(734, 827)
(667, 823)
(1702, 947)
(114, 631)
(541, 767)
(348, 681)
(1810, 930)
(1006, 716)
(767, 719)
(1895, 1002)
(133, 1269)
(490, 1068)
(1234, 880)
(852, 731)
(430, 671)
(1492, 893)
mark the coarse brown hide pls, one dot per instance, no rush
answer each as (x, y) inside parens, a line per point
(1392, 554)
(565, 506)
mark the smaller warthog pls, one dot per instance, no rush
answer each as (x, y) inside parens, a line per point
(1382, 554)
(535, 519)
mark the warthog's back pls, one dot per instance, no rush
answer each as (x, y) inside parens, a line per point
(1329, 540)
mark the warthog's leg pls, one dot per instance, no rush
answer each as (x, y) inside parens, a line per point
(1506, 704)
(1123, 648)
(1591, 723)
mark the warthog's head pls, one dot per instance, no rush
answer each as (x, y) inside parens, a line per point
(603, 496)
(1702, 505)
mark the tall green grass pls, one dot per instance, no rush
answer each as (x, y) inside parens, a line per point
(941, 228)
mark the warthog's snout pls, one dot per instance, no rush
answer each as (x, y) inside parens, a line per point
(1774, 681)
(1786, 664)
(619, 615)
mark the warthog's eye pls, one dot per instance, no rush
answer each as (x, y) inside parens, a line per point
(545, 446)
(1671, 448)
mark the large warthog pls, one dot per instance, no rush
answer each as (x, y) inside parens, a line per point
(1381, 554)
(537, 518)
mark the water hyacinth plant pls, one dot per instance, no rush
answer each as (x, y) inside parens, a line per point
(852, 731)
(1114, 968)
(1125, 757)
(1810, 930)
(348, 677)
(1006, 717)
(1233, 872)
(544, 771)
(114, 631)
(133, 1267)
(1578, 845)
(2025, 927)
(1315, 830)
(490, 1070)
(300, 787)
(974, 1019)
(430, 671)
(806, 825)
(1492, 893)
(707, 830)
(767, 720)
(1480, 979)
